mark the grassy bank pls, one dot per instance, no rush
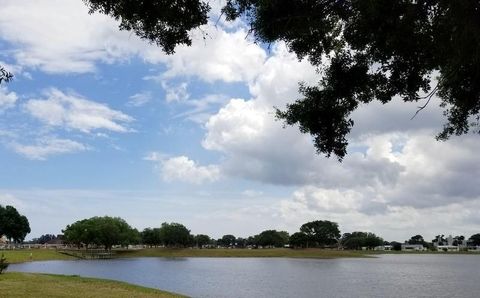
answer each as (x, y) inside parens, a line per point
(241, 253)
(26, 255)
(14, 284)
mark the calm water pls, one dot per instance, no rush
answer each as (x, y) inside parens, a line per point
(386, 276)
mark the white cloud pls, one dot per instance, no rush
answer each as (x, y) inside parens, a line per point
(59, 36)
(175, 93)
(202, 109)
(47, 147)
(394, 164)
(7, 99)
(394, 223)
(251, 193)
(11, 200)
(155, 156)
(221, 56)
(71, 111)
(182, 168)
(140, 99)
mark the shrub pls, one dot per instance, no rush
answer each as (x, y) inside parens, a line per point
(3, 264)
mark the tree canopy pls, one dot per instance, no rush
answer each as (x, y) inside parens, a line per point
(103, 231)
(175, 235)
(162, 22)
(358, 240)
(272, 238)
(475, 240)
(12, 224)
(376, 50)
(321, 232)
(363, 50)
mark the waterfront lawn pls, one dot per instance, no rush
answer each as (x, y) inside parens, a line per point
(23, 255)
(13, 284)
(242, 253)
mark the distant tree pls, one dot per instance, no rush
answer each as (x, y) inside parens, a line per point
(439, 240)
(321, 232)
(417, 239)
(397, 246)
(272, 238)
(151, 237)
(458, 240)
(103, 231)
(357, 240)
(79, 233)
(45, 238)
(252, 241)
(201, 240)
(298, 240)
(175, 235)
(13, 225)
(372, 241)
(227, 241)
(474, 240)
(240, 242)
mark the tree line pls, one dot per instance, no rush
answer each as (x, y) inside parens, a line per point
(108, 231)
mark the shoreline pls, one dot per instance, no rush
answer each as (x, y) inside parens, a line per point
(32, 255)
(20, 284)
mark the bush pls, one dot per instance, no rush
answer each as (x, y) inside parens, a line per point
(3, 264)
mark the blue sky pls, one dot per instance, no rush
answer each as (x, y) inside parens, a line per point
(98, 122)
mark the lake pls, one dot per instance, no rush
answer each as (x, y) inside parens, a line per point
(386, 276)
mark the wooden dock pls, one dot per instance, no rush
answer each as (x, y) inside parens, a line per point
(88, 254)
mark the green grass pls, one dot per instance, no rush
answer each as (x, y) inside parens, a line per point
(23, 255)
(242, 253)
(13, 284)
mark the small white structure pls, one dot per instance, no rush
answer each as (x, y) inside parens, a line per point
(447, 248)
(413, 247)
(383, 247)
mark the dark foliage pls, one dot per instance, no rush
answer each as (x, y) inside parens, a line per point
(103, 231)
(358, 240)
(377, 49)
(321, 233)
(5, 76)
(474, 240)
(12, 224)
(163, 22)
(3, 264)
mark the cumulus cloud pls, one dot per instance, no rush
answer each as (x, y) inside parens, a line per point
(220, 56)
(394, 223)
(7, 98)
(394, 164)
(60, 36)
(181, 168)
(72, 111)
(46, 147)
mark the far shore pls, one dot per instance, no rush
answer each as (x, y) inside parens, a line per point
(28, 255)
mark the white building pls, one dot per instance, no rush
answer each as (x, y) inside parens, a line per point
(413, 247)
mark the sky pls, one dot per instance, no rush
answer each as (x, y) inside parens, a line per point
(98, 122)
